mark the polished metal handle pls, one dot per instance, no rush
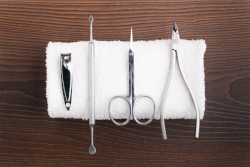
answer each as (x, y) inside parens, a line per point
(91, 80)
(197, 131)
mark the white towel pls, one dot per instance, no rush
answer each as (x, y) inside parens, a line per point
(152, 65)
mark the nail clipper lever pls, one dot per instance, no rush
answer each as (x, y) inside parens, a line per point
(66, 78)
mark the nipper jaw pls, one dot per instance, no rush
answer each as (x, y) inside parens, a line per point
(175, 37)
(174, 57)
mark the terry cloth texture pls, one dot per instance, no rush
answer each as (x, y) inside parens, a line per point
(151, 66)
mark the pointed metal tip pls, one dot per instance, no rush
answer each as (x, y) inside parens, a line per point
(91, 19)
(131, 34)
(131, 39)
(175, 26)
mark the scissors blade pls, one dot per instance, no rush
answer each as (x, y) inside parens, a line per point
(131, 40)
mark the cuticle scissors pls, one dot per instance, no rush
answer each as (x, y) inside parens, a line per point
(131, 99)
(174, 57)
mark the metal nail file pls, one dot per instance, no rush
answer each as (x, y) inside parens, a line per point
(66, 78)
(92, 149)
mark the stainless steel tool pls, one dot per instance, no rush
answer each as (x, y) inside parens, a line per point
(66, 78)
(131, 99)
(174, 57)
(92, 149)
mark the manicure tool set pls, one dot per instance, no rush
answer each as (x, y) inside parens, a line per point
(131, 99)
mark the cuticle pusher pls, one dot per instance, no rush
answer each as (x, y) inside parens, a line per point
(91, 78)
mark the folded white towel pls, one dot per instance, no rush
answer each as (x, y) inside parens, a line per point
(152, 65)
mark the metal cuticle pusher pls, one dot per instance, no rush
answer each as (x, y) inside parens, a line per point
(91, 61)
